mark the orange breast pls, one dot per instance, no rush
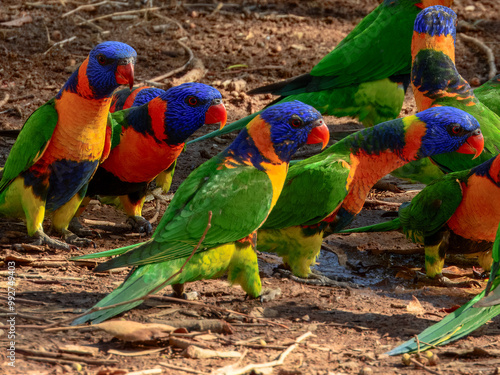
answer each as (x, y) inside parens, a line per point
(478, 216)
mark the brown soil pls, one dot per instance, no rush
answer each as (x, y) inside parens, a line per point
(352, 327)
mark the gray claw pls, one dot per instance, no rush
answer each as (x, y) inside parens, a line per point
(139, 224)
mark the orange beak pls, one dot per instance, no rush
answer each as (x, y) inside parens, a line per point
(125, 74)
(474, 144)
(319, 134)
(216, 113)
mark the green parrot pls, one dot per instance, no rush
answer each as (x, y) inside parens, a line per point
(364, 76)
(489, 94)
(239, 187)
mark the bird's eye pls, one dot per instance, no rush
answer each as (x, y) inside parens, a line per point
(101, 59)
(296, 122)
(192, 100)
(456, 129)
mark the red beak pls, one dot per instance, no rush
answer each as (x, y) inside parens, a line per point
(420, 5)
(319, 134)
(216, 113)
(474, 144)
(125, 74)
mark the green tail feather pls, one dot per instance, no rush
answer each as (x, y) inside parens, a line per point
(109, 253)
(454, 326)
(237, 125)
(381, 227)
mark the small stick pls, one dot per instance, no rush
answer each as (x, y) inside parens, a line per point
(377, 202)
(85, 22)
(193, 351)
(177, 70)
(60, 43)
(4, 100)
(185, 369)
(157, 212)
(120, 14)
(24, 300)
(487, 50)
(168, 19)
(424, 367)
(146, 372)
(91, 6)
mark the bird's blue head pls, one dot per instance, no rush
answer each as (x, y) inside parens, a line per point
(188, 107)
(291, 125)
(109, 65)
(450, 129)
(436, 20)
(146, 95)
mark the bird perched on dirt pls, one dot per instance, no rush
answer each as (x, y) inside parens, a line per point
(478, 311)
(436, 82)
(61, 144)
(239, 186)
(323, 193)
(456, 214)
(364, 76)
(148, 139)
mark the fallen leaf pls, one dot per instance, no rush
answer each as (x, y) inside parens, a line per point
(79, 349)
(134, 353)
(133, 331)
(414, 307)
(18, 21)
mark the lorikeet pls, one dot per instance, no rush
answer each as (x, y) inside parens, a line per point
(323, 193)
(148, 139)
(364, 76)
(456, 214)
(489, 94)
(61, 144)
(239, 186)
(436, 82)
(478, 311)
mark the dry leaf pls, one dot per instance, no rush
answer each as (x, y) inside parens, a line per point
(414, 307)
(134, 353)
(79, 349)
(133, 331)
(18, 21)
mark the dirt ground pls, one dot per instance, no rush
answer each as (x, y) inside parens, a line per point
(267, 41)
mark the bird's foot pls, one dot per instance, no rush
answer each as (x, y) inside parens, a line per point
(316, 278)
(440, 280)
(269, 294)
(479, 275)
(139, 224)
(77, 228)
(44, 239)
(180, 293)
(73, 239)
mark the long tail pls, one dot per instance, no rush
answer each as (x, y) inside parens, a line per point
(234, 126)
(381, 227)
(466, 319)
(454, 326)
(140, 283)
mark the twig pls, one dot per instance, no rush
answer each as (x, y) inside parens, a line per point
(277, 362)
(424, 367)
(168, 19)
(185, 369)
(85, 22)
(157, 212)
(92, 6)
(60, 43)
(193, 351)
(377, 202)
(120, 14)
(4, 100)
(487, 50)
(177, 70)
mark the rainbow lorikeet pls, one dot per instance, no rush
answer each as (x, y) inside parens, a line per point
(61, 144)
(239, 186)
(364, 76)
(148, 139)
(436, 82)
(323, 193)
(478, 311)
(455, 214)
(489, 94)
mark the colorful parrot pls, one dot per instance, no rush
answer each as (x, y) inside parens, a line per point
(489, 94)
(364, 76)
(455, 214)
(478, 311)
(239, 186)
(148, 139)
(323, 193)
(436, 82)
(61, 144)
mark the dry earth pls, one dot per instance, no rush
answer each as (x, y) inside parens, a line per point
(273, 40)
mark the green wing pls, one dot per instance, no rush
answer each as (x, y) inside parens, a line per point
(239, 199)
(353, 62)
(432, 207)
(326, 176)
(489, 94)
(31, 142)
(116, 121)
